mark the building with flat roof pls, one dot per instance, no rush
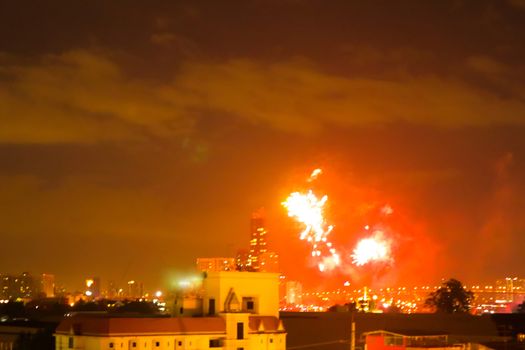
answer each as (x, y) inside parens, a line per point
(240, 311)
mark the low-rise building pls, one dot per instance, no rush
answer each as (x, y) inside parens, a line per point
(241, 311)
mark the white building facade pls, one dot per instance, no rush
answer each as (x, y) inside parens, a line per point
(241, 311)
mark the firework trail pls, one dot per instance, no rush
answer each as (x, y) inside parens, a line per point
(375, 248)
(308, 209)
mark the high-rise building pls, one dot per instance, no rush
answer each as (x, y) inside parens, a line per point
(294, 293)
(241, 260)
(7, 287)
(48, 285)
(215, 264)
(269, 262)
(17, 287)
(257, 240)
(27, 286)
(135, 290)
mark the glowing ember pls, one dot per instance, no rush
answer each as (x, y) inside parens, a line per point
(315, 174)
(308, 209)
(387, 210)
(372, 249)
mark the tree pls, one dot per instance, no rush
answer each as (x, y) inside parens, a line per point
(520, 308)
(451, 297)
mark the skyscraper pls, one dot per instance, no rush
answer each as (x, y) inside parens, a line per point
(257, 240)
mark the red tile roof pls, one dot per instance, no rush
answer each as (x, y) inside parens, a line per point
(92, 325)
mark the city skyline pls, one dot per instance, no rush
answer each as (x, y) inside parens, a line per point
(135, 138)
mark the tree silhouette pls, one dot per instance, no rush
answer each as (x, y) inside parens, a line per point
(451, 297)
(520, 308)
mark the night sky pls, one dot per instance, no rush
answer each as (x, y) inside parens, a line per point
(138, 136)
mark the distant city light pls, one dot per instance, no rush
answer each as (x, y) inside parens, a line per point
(184, 283)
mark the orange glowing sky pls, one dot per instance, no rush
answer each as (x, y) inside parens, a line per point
(137, 136)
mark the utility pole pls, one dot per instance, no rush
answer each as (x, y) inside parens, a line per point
(352, 333)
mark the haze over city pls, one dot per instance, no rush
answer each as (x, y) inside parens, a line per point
(138, 136)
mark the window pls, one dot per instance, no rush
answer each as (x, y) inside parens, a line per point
(180, 343)
(157, 344)
(271, 340)
(111, 345)
(248, 304)
(215, 343)
(71, 342)
(211, 306)
(240, 330)
(134, 344)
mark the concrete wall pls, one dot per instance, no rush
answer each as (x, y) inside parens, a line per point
(166, 342)
(262, 287)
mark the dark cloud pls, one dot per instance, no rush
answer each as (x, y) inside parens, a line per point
(154, 129)
(80, 96)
